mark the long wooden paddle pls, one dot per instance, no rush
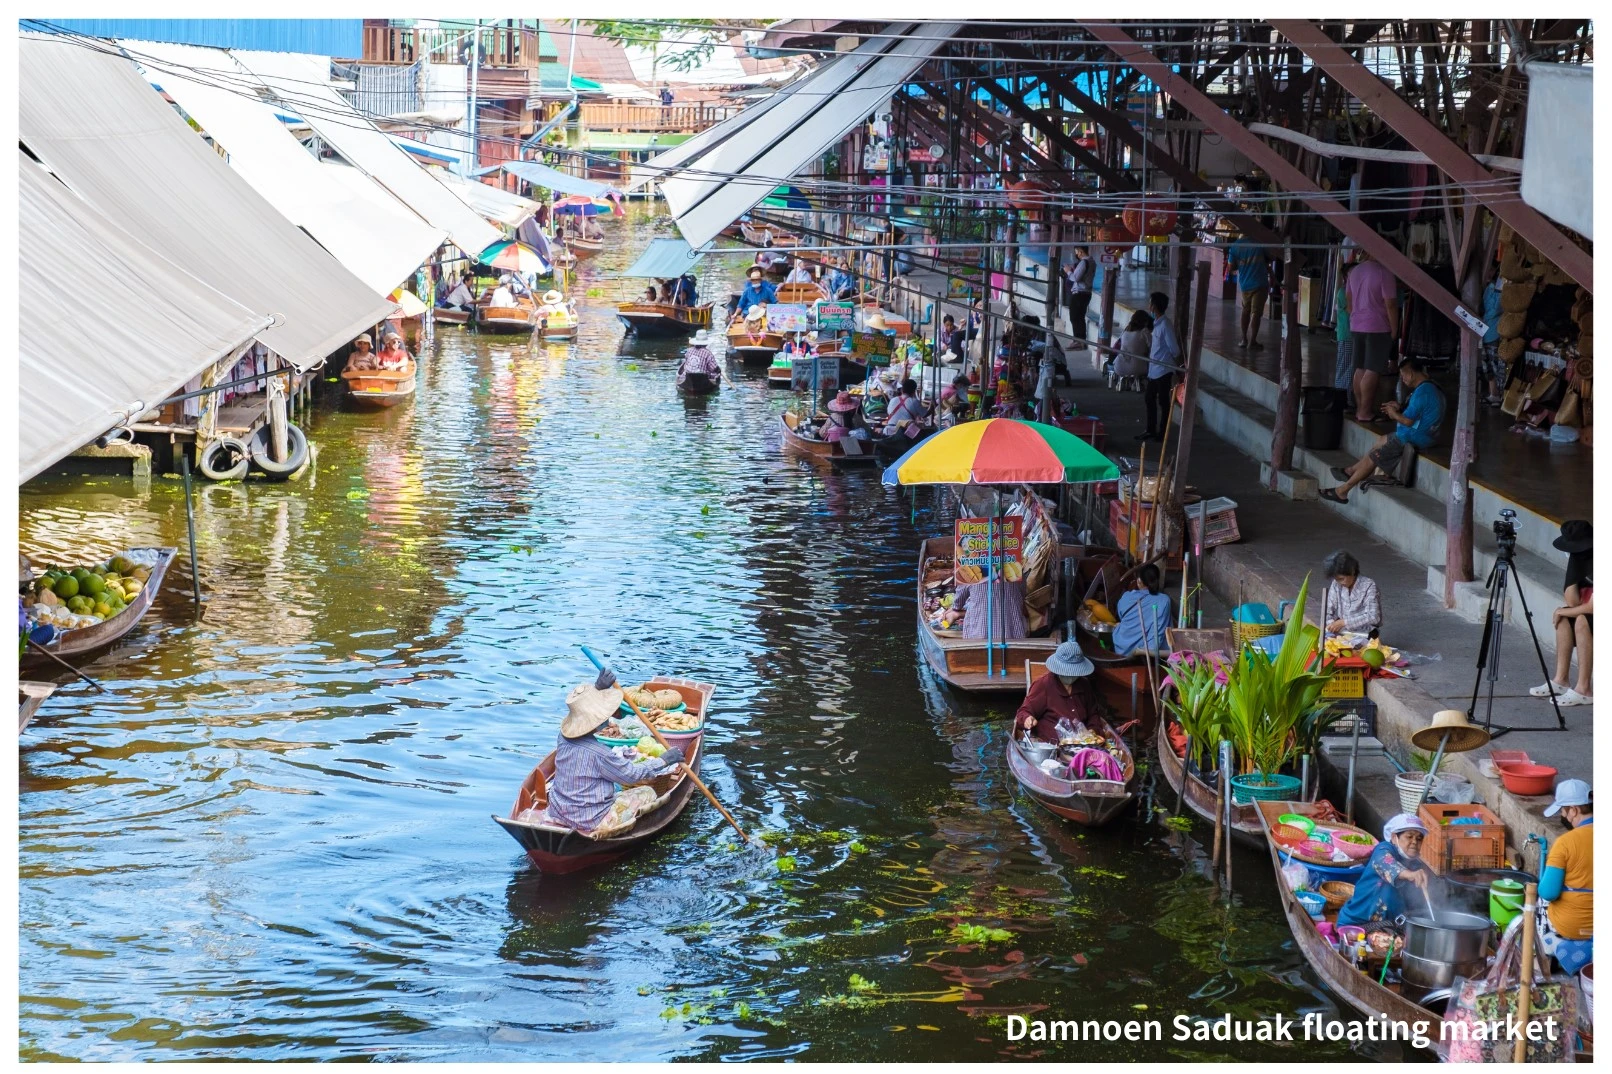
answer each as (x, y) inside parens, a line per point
(689, 772)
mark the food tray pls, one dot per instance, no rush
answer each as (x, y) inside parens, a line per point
(626, 709)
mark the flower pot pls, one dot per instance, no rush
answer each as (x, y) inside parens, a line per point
(1260, 787)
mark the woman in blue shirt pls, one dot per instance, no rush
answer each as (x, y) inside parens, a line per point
(1396, 861)
(1144, 615)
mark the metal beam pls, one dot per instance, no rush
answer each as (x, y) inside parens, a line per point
(1277, 167)
(1057, 137)
(1002, 129)
(1474, 178)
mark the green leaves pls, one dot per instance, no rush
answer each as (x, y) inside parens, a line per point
(1271, 701)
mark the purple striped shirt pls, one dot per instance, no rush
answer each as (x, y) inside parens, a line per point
(585, 776)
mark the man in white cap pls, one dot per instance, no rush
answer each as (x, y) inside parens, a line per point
(1395, 861)
(699, 359)
(502, 296)
(586, 771)
(1566, 918)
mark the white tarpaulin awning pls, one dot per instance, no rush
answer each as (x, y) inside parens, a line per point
(380, 244)
(1558, 156)
(499, 206)
(98, 125)
(86, 356)
(665, 259)
(303, 82)
(726, 181)
(553, 179)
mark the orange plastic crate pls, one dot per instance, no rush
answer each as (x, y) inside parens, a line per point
(1462, 846)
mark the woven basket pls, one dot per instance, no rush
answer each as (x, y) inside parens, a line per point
(1243, 633)
(1336, 892)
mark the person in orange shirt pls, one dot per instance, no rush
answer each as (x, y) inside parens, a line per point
(1567, 886)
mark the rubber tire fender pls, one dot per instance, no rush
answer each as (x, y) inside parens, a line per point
(220, 450)
(297, 443)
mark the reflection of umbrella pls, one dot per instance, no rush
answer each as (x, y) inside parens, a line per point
(786, 197)
(512, 256)
(408, 302)
(1001, 451)
(582, 205)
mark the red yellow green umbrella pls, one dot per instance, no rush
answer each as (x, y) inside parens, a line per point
(1001, 451)
(512, 256)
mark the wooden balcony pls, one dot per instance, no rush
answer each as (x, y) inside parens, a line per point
(627, 116)
(501, 46)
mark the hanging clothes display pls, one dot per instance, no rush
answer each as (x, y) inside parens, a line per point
(1428, 333)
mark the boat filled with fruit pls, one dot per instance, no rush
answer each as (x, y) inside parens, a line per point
(89, 607)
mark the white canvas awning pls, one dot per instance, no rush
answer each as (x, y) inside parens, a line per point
(725, 181)
(98, 126)
(303, 82)
(382, 244)
(1558, 156)
(499, 206)
(87, 356)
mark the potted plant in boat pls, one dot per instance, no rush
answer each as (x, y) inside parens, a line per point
(1198, 703)
(1266, 697)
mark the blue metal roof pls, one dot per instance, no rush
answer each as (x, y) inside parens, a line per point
(323, 37)
(542, 175)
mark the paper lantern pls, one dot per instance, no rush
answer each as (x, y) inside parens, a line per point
(1030, 194)
(1160, 218)
(1117, 236)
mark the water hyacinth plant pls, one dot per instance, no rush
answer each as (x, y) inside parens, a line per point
(1267, 697)
(1199, 702)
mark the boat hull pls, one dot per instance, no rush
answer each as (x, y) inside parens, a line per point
(447, 316)
(1200, 797)
(819, 451)
(90, 638)
(698, 384)
(1090, 803)
(663, 320)
(780, 377)
(378, 389)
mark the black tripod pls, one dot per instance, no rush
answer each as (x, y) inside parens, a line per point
(1494, 631)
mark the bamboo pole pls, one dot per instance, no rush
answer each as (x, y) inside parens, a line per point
(1525, 983)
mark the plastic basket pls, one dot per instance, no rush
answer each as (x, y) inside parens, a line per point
(1346, 684)
(1336, 893)
(1243, 633)
(1277, 788)
(1462, 846)
(1362, 711)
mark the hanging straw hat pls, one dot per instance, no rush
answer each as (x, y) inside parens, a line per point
(1463, 736)
(842, 403)
(553, 298)
(701, 337)
(590, 707)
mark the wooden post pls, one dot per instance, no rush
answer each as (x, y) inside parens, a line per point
(1525, 978)
(1110, 282)
(1189, 395)
(1181, 275)
(1291, 375)
(1458, 510)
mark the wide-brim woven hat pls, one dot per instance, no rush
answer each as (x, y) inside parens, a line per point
(590, 708)
(875, 322)
(702, 336)
(1463, 735)
(553, 298)
(755, 270)
(755, 313)
(1069, 659)
(843, 403)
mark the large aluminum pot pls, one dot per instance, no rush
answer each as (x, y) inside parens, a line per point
(1425, 973)
(1451, 937)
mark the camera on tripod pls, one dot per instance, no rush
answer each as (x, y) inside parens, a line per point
(1505, 533)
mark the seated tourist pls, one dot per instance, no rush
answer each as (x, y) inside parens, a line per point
(362, 357)
(1415, 426)
(1574, 619)
(393, 355)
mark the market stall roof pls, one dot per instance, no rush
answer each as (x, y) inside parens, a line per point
(726, 180)
(499, 206)
(94, 122)
(303, 82)
(425, 152)
(382, 243)
(666, 259)
(553, 179)
(161, 323)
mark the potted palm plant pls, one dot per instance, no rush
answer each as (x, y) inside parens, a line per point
(1198, 703)
(1266, 698)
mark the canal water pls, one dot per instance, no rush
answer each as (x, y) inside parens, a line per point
(271, 838)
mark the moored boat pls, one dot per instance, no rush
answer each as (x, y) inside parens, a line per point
(374, 389)
(833, 453)
(1089, 802)
(663, 319)
(99, 635)
(31, 696)
(801, 294)
(1199, 796)
(556, 318)
(518, 319)
(780, 376)
(583, 246)
(444, 315)
(758, 234)
(753, 347)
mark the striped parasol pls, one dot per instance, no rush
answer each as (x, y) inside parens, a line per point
(582, 205)
(1001, 451)
(512, 256)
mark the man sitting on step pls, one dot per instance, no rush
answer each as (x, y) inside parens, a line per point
(1418, 423)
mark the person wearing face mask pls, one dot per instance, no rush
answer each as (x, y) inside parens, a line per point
(1567, 886)
(1064, 693)
(1395, 864)
(1574, 620)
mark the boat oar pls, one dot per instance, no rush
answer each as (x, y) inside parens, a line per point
(68, 666)
(689, 772)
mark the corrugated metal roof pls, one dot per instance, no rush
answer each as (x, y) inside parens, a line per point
(147, 327)
(98, 125)
(328, 37)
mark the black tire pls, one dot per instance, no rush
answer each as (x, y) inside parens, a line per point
(296, 440)
(215, 463)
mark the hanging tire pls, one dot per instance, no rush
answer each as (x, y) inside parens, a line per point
(225, 459)
(297, 444)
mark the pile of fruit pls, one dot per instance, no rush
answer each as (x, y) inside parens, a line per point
(83, 596)
(1373, 652)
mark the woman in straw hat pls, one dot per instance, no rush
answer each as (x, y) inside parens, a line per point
(699, 359)
(844, 419)
(363, 356)
(586, 771)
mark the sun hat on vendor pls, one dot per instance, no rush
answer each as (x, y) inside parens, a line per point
(1576, 537)
(701, 338)
(754, 271)
(875, 322)
(842, 403)
(1569, 792)
(552, 298)
(1069, 660)
(754, 313)
(1463, 735)
(1403, 822)
(590, 706)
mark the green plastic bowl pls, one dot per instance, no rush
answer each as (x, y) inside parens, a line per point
(1304, 824)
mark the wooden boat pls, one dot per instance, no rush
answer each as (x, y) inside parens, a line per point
(780, 376)
(443, 315)
(558, 324)
(99, 636)
(758, 234)
(584, 247)
(1090, 802)
(518, 319)
(663, 319)
(752, 348)
(960, 662)
(699, 384)
(1362, 992)
(800, 294)
(558, 849)
(823, 451)
(31, 696)
(1200, 796)
(375, 389)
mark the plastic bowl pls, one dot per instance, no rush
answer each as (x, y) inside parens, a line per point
(1528, 780)
(1314, 903)
(1303, 823)
(1354, 851)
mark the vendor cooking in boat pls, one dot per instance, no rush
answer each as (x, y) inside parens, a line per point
(844, 419)
(393, 355)
(1396, 862)
(1063, 693)
(699, 359)
(586, 771)
(757, 292)
(362, 357)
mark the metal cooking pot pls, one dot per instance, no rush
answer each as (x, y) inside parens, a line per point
(1425, 973)
(1468, 889)
(1450, 937)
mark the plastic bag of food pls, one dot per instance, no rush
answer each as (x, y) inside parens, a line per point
(1297, 876)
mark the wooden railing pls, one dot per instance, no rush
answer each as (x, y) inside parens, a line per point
(501, 46)
(627, 116)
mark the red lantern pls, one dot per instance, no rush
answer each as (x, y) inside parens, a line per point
(1160, 218)
(1029, 194)
(1117, 236)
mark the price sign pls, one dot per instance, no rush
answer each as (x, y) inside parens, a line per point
(836, 316)
(873, 345)
(973, 552)
(1470, 321)
(828, 374)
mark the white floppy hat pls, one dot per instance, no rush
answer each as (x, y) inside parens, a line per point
(1403, 822)
(553, 298)
(590, 707)
(702, 336)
